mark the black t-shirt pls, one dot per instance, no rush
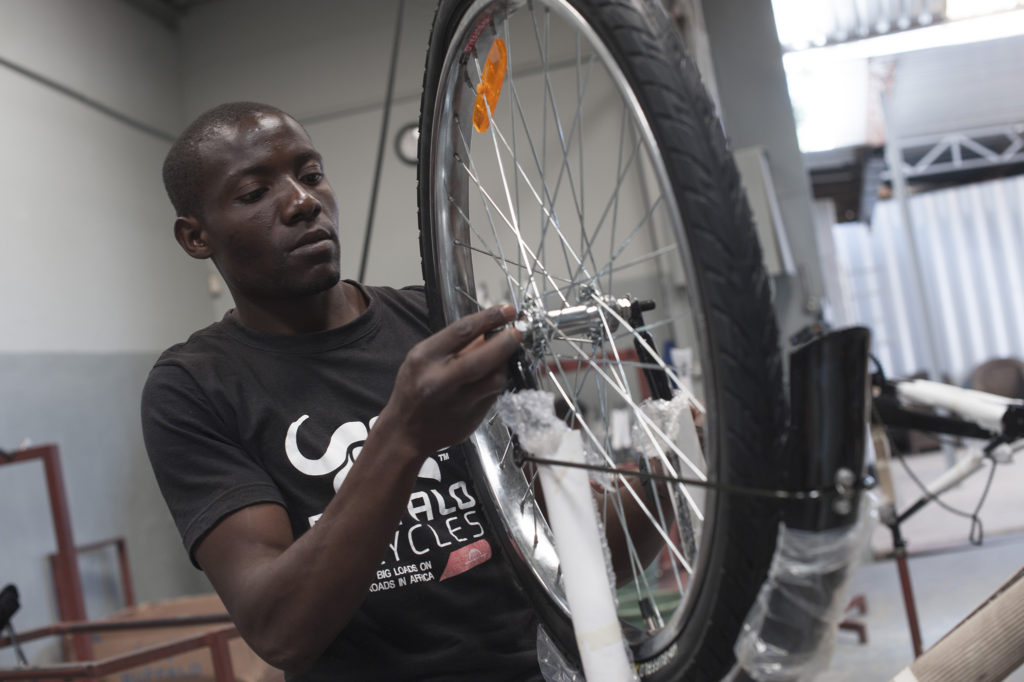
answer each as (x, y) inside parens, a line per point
(234, 417)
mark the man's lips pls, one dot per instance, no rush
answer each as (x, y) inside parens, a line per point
(314, 236)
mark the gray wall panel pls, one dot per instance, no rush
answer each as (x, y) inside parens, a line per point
(89, 406)
(957, 88)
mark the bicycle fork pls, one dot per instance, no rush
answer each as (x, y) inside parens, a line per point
(798, 608)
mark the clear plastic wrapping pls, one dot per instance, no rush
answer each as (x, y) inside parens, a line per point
(531, 415)
(553, 665)
(576, 527)
(790, 631)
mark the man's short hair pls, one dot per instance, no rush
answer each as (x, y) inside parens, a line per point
(183, 171)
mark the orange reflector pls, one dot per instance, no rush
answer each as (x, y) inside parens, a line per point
(489, 87)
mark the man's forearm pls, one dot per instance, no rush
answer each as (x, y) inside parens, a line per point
(290, 602)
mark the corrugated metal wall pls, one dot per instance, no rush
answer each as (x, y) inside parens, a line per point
(809, 23)
(957, 88)
(837, 21)
(970, 243)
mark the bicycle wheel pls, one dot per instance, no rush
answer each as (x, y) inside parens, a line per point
(571, 164)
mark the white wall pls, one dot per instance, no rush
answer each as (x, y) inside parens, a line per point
(92, 287)
(103, 48)
(89, 262)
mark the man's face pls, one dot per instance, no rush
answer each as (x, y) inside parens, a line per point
(269, 215)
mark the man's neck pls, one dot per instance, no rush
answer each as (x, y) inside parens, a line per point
(318, 312)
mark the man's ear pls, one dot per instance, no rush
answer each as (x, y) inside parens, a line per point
(192, 236)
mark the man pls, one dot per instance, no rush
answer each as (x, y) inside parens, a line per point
(308, 443)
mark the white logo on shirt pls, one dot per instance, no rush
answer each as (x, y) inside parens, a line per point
(345, 446)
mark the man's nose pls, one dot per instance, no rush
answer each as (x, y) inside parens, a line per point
(300, 203)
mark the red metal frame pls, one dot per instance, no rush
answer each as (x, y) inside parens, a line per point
(127, 589)
(627, 354)
(908, 601)
(215, 640)
(70, 602)
(858, 603)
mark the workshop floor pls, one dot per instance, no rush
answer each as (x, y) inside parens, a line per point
(949, 575)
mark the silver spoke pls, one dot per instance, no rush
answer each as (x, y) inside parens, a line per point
(548, 207)
(490, 220)
(624, 482)
(489, 205)
(653, 432)
(671, 373)
(613, 201)
(513, 220)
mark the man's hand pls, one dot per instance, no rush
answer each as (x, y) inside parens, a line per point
(275, 588)
(449, 381)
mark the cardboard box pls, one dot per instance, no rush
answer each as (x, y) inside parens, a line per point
(194, 666)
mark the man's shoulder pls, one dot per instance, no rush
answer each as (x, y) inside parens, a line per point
(414, 293)
(407, 301)
(204, 344)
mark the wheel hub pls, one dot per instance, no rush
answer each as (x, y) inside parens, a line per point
(594, 320)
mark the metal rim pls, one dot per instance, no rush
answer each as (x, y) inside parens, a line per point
(468, 243)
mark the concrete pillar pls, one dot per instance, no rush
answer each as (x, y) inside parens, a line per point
(755, 109)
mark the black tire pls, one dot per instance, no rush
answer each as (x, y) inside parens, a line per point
(731, 321)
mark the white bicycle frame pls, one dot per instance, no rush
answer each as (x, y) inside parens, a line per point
(990, 640)
(578, 532)
(989, 643)
(987, 410)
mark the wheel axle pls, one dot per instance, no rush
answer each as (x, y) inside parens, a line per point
(538, 326)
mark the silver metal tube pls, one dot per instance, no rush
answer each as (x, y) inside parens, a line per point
(585, 318)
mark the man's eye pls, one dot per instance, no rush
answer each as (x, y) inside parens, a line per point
(253, 196)
(313, 178)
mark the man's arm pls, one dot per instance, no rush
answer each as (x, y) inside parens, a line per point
(290, 599)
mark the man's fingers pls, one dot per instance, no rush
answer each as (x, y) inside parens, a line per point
(484, 391)
(478, 341)
(461, 332)
(476, 362)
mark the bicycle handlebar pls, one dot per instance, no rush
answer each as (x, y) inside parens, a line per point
(985, 409)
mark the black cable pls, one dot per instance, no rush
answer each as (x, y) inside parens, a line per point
(383, 140)
(977, 533)
(874, 359)
(976, 520)
(810, 494)
(878, 364)
(89, 101)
